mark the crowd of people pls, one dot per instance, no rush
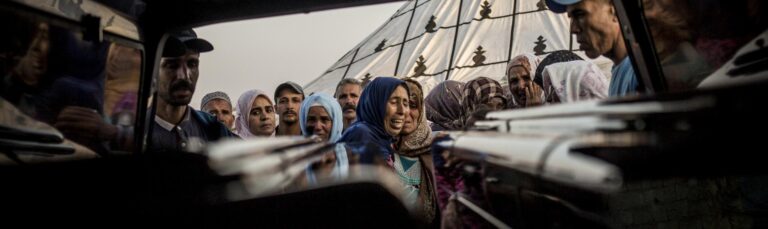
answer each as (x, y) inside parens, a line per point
(395, 116)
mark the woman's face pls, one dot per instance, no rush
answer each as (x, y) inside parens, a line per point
(319, 123)
(519, 79)
(261, 118)
(413, 116)
(495, 104)
(525, 92)
(397, 108)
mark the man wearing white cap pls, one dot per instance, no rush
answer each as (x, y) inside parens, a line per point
(217, 103)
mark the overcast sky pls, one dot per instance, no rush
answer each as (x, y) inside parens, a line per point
(262, 53)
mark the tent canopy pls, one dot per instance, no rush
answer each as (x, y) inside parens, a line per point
(432, 41)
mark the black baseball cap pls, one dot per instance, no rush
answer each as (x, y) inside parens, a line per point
(179, 42)
(560, 6)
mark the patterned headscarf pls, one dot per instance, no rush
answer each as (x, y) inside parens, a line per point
(575, 81)
(419, 144)
(331, 106)
(554, 57)
(479, 91)
(443, 105)
(420, 140)
(244, 105)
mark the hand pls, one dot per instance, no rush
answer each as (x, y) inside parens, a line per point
(84, 124)
(450, 160)
(532, 95)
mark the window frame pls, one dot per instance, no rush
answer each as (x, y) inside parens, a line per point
(80, 26)
(640, 46)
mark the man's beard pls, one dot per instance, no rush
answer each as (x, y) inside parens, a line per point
(288, 121)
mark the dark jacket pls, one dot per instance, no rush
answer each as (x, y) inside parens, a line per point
(200, 124)
(215, 130)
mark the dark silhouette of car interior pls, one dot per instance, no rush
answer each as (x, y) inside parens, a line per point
(665, 157)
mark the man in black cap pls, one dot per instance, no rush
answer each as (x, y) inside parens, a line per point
(288, 98)
(177, 127)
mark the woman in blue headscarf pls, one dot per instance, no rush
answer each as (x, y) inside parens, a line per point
(321, 115)
(380, 114)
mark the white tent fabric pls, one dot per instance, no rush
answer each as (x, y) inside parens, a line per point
(433, 40)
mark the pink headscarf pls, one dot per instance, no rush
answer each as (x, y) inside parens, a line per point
(244, 105)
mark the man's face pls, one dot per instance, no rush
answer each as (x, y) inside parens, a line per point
(397, 107)
(261, 118)
(288, 103)
(177, 79)
(348, 95)
(595, 25)
(222, 110)
(319, 122)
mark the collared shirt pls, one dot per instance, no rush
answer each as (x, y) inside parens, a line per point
(623, 79)
(186, 136)
(169, 126)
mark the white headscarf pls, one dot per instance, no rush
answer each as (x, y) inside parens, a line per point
(244, 105)
(575, 81)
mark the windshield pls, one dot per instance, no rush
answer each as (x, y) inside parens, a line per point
(693, 39)
(231, 86)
